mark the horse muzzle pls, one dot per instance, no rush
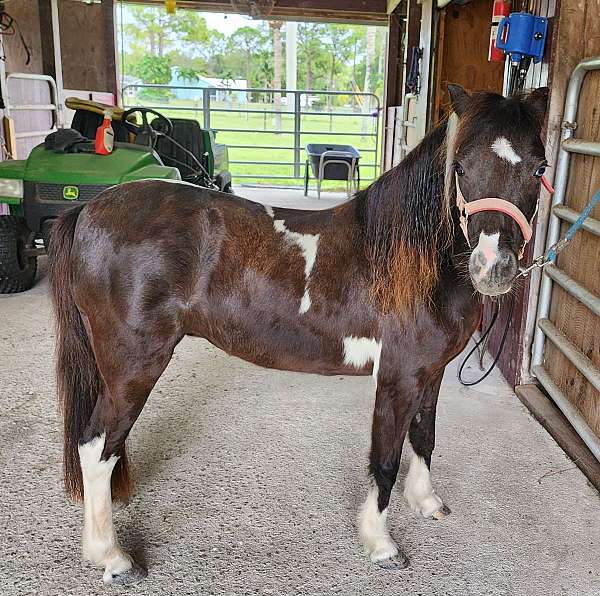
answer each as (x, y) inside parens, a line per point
(492, 269)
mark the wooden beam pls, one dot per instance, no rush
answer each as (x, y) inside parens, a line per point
(392, 92)
(47, 45)
(110, 44)
(553, 420)
(413, 30)
(352, 11)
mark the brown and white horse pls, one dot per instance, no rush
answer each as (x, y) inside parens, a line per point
(382, 285)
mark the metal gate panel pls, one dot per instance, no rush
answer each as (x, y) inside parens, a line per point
(546, 330)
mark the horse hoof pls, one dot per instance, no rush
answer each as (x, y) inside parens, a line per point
(442, 513)
(400, 561)
(126, 578)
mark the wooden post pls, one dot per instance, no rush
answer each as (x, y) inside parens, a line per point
(394, 67)
(110, 44)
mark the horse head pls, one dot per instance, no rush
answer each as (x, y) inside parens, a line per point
(496, 161)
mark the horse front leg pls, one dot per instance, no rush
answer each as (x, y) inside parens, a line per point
(395, 405)
(418, 489)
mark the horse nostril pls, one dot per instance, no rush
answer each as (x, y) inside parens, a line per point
(480, 259)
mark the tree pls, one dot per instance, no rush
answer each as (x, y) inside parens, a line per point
(310, 42)
(243, 45)
(338, 40)
(155, 70)
(188, 75)
(276, 28)
(157, 32)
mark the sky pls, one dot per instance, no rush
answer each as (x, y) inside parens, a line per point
(227, 23)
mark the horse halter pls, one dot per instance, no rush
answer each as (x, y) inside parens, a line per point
(467, 208)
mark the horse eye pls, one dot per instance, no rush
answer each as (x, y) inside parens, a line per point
(459, 169)
(540, 171)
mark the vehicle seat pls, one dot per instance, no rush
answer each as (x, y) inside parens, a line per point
(87, 123)
(189, 134)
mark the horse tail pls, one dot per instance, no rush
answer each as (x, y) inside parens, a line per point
(77, 374)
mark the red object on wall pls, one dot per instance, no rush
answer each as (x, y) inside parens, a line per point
(501, 9)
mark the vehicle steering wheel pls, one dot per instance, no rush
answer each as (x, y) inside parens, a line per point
(146, 134)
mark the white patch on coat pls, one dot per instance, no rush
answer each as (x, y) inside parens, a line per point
(305, 302)
(485, 254)
(269, 211)
(504, 150)
(451, 132)
(100, 544)
(308, 245)
(359, 351)
(372, 528)
(418, 489)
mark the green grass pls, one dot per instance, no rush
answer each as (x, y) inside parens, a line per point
(320, 126)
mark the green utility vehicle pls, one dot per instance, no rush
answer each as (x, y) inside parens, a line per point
(65, 171)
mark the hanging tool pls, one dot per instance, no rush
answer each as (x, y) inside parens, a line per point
(521, 36)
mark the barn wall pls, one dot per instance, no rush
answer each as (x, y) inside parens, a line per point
(463, 39)
(26, 13)
(87, 44)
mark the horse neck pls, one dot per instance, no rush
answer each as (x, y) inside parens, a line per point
(408, 225)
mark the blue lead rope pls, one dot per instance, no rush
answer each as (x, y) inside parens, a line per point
(550, 255)
(554, 250)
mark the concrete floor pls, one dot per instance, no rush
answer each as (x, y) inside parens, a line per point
(291, 198)
(249, 482)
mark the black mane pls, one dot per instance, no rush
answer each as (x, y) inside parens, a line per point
(406, 223)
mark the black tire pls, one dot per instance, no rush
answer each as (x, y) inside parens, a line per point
(17, 272)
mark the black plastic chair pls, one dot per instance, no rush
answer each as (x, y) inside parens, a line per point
(332, 162)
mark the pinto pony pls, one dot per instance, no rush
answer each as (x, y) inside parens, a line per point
(382, 285)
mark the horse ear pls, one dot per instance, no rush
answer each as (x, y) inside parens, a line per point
(459, 98)
(538, 100)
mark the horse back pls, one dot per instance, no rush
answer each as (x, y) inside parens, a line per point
(278, 287)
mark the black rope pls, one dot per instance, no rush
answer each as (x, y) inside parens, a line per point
(482, 339)
(9, 26)
(200, 173)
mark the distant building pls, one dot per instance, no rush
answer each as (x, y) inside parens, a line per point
(193, 89)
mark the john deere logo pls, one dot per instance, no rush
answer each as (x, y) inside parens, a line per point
(71, 193)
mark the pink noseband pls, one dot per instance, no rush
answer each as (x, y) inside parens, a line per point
(492, 204)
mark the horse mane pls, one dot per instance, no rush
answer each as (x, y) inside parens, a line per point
(407, 223)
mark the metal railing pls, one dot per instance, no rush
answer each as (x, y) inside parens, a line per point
(296, 123)
(54, 107)
(546, 330)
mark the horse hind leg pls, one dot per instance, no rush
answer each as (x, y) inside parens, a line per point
(130, 368)
(418, 489)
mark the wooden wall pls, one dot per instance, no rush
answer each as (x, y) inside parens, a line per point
(578, 38)
(462, 52)
(26, 13)
(87, 42)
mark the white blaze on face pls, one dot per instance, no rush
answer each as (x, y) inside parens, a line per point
(359, 351)
(308, 245)
(269, 211)
(372, 527)
(485, 254)
(100, 544)
(504, 150)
